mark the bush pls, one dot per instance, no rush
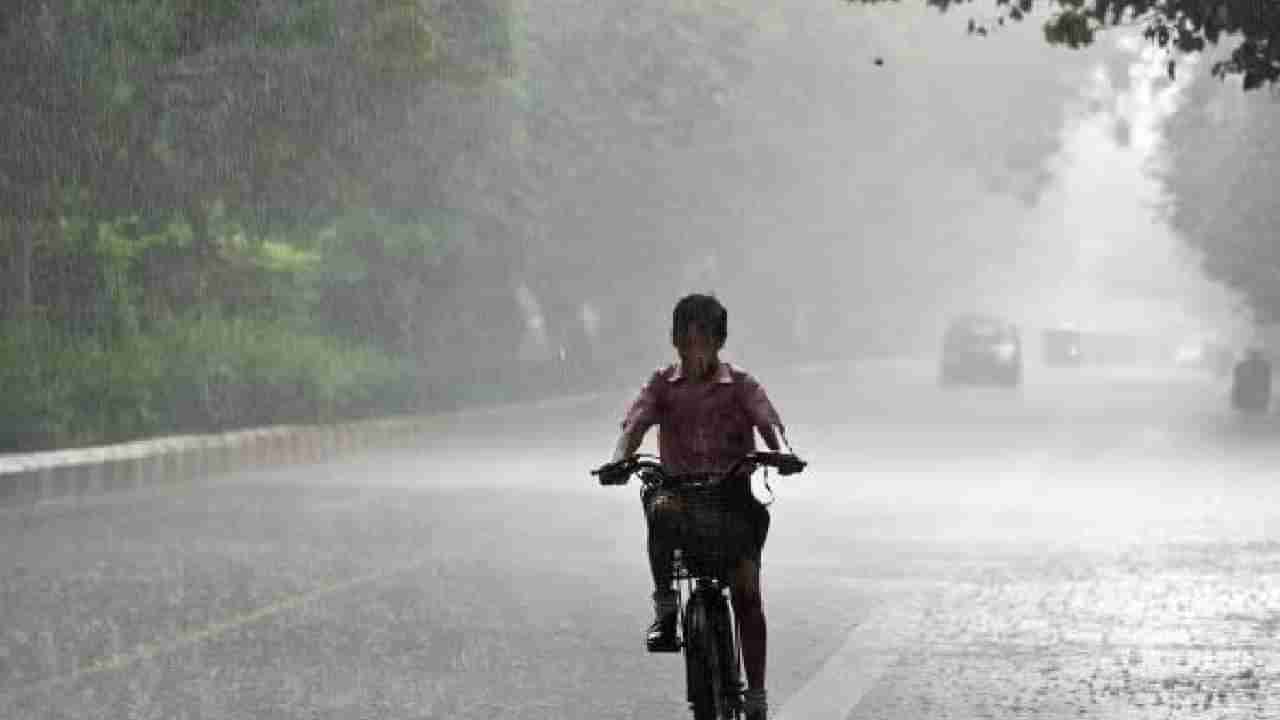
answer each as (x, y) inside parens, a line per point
(222, 373)
(36, 367)
(194, 375)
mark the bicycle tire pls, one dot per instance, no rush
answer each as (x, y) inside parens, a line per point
(730, 667)
(706, 622)
(698, 662)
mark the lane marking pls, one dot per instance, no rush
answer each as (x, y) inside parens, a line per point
(150, 650)
(868, 652)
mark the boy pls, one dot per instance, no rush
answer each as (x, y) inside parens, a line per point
(706, 411)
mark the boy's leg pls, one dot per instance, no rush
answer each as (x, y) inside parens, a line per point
(662, 520)
(662, 517)
(749, 610)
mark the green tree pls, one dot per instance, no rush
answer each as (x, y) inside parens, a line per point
(1223, 177)
(1185, 26)
(169, 107)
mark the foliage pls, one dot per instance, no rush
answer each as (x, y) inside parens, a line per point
(1222, 176)
(1185, 26)
(195, 373)
(254, 212)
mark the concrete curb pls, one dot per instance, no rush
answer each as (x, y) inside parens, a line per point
(32, 478)
(36, 477)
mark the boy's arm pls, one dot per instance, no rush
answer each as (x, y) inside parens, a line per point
(765, 417)
(642, 415)
(628, 442)
(775, 437)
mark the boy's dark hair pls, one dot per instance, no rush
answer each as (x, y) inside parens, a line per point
(705, 313)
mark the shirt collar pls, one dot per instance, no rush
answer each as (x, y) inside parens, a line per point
(723, 373)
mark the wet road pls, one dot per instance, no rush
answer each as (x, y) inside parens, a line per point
(1096, 544)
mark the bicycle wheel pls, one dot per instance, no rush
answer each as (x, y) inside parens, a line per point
(706, 622)
(730, 666)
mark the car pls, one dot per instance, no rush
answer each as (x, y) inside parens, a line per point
(981, 350)
(1206, 355)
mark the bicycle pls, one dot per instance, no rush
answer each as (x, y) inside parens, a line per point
(708, 630)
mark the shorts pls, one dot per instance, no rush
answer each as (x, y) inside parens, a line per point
(739, 530)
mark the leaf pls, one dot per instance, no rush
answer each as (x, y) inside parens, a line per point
(1211, 30)
(399, 39)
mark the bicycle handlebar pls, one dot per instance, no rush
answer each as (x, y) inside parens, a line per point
(618, 473)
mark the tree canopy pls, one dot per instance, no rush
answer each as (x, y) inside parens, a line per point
(1186, 26)
(440, 180)
(1222, 178)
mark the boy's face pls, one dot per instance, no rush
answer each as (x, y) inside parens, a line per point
(699, 353)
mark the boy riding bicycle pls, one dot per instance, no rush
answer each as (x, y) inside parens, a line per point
(706, 412)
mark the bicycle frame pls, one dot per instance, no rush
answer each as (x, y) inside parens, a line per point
(711, 641)
(706, 616)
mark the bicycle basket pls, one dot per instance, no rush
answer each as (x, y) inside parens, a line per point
(714, 533)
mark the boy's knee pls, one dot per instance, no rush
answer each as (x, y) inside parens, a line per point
(664, 512)
(664, 504)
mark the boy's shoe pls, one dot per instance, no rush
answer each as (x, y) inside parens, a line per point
(661, 636)
(754, 705)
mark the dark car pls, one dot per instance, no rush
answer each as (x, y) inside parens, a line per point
(1251, 383)
(981, 350)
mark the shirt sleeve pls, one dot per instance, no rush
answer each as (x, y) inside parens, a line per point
(759, 407)
(646, 409)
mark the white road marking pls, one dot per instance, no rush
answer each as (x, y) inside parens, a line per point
(868, 652)
(187, 638)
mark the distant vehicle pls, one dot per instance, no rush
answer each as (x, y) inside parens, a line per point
(981, 350)
(1062, 348)
(1189, 354)
(1251, 383)
(1205, 355)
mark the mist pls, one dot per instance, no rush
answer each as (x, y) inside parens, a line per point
(335, 333)
(877, 170)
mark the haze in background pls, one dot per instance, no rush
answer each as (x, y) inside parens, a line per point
(960, 174)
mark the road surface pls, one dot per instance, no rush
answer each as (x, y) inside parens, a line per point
(1095, 544)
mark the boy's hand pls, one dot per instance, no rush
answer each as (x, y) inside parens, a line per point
(784, 463)
(613, 473)
(789, 464)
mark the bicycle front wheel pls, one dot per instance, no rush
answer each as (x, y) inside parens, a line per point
(706, 621)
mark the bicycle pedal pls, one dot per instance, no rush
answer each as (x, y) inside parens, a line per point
(660, 647)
